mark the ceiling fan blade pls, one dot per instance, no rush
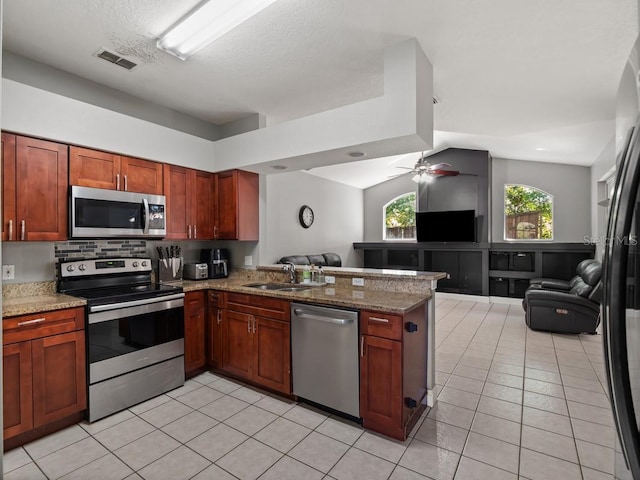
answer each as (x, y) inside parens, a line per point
(446, 173)
(438, 166)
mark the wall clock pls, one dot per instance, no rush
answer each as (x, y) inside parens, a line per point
(305, 216)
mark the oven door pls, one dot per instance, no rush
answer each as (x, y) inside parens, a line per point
(127, 336)
(97, 212)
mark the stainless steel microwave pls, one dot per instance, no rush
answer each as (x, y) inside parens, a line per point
(101, 213)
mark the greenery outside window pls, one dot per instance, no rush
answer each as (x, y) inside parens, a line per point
(400, 218)
(528, 213)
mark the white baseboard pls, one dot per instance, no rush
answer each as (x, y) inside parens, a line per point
(479, 298)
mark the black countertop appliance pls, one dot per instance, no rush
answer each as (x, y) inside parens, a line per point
(218, 260)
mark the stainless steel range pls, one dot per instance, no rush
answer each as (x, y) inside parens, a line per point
(134, 331)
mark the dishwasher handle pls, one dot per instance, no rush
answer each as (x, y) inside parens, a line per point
(336, 321)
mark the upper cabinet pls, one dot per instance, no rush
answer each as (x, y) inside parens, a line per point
(34, 183)
(93, 168)
(190, 203)
(237, 213)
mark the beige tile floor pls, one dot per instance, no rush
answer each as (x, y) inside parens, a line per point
(513, 403)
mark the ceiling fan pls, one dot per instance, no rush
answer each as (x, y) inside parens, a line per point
(424, 171)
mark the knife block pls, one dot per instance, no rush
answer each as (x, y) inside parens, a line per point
(170, 269)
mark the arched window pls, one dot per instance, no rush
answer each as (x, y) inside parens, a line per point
(400, 218)
(528, 213)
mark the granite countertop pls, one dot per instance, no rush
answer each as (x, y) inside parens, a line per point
(359, 298)
(391, 291)
(39, 303)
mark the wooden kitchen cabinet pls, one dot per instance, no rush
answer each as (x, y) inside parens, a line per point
(214, 328)
(237, 211)
(194, 332)
(34, 183)
(190, 203)
(44, 373)
(17, 387)
(97, 169)
(393, 370)
(256, 342)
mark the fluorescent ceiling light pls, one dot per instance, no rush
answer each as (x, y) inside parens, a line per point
(211, 20)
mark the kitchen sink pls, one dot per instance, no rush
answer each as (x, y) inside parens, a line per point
(281, 287)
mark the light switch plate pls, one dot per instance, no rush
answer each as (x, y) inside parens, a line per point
(248, 260)
(330, 279)
(8, 272)
(357, 282)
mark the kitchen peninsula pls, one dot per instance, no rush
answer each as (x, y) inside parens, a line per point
(242, 331)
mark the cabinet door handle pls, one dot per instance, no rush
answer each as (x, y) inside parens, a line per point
(31, 322)
(189, 232)
(215, 231)
(362, 346)
(22, 229)
(254, 324)
(248, 323)
(378, 319)
(126, 185)
(10, 230)
(195, 232)
(219, 317)
(117, 181)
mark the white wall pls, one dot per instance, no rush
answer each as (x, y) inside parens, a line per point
(570, 186)
(40, 113)
(605, 162)
(338, 218)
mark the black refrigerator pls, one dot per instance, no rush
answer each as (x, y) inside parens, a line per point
(621, 308)
(621, 277)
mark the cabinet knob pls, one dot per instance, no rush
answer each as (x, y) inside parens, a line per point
(411, 327)
(145, 263)
(70, 268)
(82, 267)
(410, 402)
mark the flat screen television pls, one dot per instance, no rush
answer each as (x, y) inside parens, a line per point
(447, 226)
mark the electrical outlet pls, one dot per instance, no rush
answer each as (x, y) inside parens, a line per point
(330, 279)
(248, 260)
(8, 272)
(357, 282)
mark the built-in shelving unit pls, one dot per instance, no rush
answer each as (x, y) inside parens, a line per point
(496, 269)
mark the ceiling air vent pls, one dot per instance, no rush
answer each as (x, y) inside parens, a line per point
(114, 58)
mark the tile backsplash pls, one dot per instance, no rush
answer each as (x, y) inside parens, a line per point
(77, 249)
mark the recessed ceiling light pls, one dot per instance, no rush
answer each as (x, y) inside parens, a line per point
(356, 154)
(278, 167)
(540, 149)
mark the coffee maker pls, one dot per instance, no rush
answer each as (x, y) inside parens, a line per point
(218, 261)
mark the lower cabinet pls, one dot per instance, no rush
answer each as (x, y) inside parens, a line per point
(214, 328)
(44, 372)
(256, 340)
(393, 370)
(194, 332)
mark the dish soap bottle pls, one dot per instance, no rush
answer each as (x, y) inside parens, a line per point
(306, 274)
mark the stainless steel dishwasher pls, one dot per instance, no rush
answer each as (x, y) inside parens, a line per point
(325, 362)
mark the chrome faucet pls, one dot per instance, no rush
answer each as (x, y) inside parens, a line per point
(291, 268)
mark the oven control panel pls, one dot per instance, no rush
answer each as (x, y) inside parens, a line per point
(103, 266)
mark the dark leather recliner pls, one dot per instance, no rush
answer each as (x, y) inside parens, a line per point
(557, 284)
(575, 310)
(321, 260)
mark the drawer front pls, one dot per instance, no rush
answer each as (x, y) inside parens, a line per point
(380, 324)
(28, 327)
(216, 298)
(259, 305)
